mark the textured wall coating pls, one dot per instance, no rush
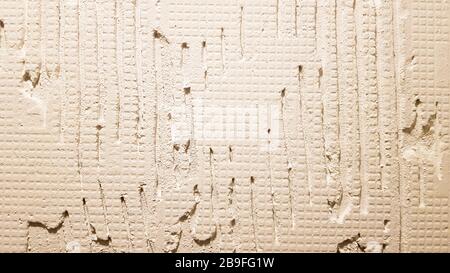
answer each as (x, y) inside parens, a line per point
(208, 125)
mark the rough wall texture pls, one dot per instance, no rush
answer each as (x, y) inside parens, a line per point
(208, 125)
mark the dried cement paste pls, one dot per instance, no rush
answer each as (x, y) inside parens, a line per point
(238, 125)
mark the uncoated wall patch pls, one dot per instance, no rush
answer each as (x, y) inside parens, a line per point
(236, 126)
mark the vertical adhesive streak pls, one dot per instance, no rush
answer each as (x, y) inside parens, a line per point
(2, 34)
(159, 44)
(315, 25)
(222, 48)
(101, 77)
(61, 65)
(144, 212)
(212, 185)
(104, 209)
(25, 24)
(42, 33)
(253, 212)
(394, 24)
(377, 75)
(277, 17)
(87, 220)
(126, 219)
(302, 124)
(272, 192)
(322, 121)
(422, 181)
(363, 198)
(204, 65)
(156, 42)
(288, 160)
(295, 18)
(79, 88)
(138, 59)
(338, 94)
(119, 67)
(241, 31)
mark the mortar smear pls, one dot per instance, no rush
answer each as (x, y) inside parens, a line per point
(224, 126)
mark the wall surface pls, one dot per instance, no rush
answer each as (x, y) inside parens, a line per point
(237, 125)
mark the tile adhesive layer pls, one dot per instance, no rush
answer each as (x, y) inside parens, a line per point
(208, 125)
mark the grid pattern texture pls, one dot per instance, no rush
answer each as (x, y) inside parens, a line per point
(225, 126)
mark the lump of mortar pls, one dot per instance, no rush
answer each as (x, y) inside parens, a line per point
(351, 245)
